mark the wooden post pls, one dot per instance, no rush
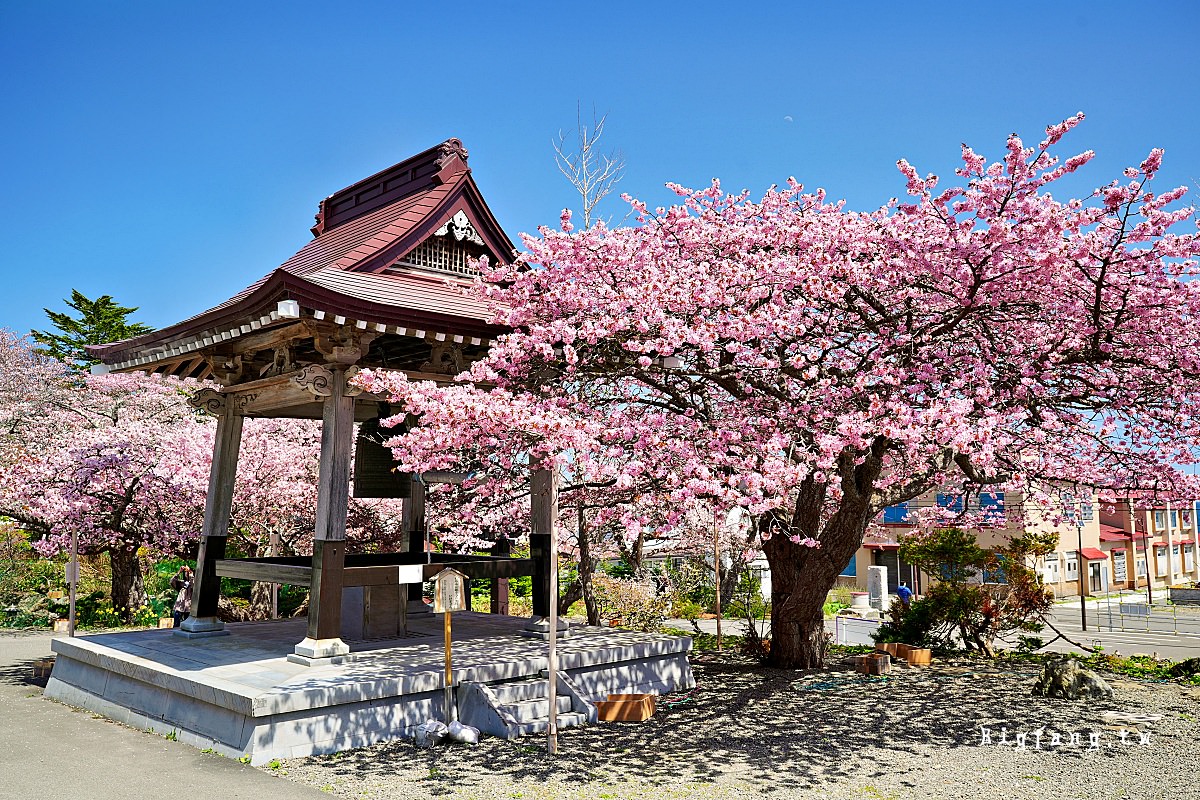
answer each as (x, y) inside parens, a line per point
(449, 678)
(499, 598)
(414, 526)
(329, 541)
(539, 551)
(717, 573)
(206, 593)
(544, 500)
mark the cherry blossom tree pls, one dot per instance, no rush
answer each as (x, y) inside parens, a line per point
(123, 463)
(30, 384)
(813, 365)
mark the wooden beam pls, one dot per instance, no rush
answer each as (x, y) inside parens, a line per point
(266, 396)
(266, 339)
(265, 572)
(498, 568)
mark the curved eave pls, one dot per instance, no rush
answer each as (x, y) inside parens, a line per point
(257, 309)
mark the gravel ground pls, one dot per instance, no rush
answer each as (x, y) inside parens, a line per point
(749, 731)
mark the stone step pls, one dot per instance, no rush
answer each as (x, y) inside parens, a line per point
(518, 691)
(572, 719)
(530, 710)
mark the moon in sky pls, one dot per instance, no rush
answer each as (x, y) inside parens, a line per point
(788, 118)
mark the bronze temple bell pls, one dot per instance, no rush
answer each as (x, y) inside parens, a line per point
(376, 473)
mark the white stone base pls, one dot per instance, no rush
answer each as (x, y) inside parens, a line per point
(241, 694)
(200, 628)
(322, 648)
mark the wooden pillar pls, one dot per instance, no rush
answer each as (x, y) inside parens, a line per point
(499, 598)
(206, 591)
(544, 508)
(329, 541)
(539, 551)
(414, 527)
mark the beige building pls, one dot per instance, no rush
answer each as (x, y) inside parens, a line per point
(1155, 546)
(1079, 554)
(1100, 551)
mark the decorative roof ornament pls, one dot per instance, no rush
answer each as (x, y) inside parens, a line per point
(448, 150)
(461, 228)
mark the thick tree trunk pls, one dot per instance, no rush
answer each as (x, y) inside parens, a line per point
(260, 600)
(800, 580)
(572, 595)
(128, 590)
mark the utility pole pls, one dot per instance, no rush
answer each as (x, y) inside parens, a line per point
(1079, 572)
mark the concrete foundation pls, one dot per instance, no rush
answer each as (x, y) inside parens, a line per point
(240, 695)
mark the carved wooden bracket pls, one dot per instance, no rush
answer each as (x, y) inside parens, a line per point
(209, 400)
(226, 369)
(317, 380)
(446, 358)
(345, 345)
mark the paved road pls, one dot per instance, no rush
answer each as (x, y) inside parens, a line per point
(1162, 638)
(50, 750)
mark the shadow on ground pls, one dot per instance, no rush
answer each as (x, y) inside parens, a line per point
(20, 673)
(773, 730)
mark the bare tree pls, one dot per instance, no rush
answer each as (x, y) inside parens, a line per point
(593, 174)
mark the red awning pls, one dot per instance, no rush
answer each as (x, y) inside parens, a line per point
(1111, 533)
(1093, 554)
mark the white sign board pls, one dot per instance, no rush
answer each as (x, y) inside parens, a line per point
(1119, 567)
(449, 591)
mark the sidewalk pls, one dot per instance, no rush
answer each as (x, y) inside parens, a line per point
(52, 750)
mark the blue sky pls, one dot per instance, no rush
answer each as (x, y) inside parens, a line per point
(170, 153)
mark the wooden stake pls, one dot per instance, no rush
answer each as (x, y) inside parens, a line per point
(544, 502)
(717, 573)
(450, 715)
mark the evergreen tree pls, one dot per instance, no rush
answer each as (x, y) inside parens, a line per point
(100, 321)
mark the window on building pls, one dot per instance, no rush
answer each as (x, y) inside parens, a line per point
(950, 502)
(1050, 568)
(1141, 567)
(996, 573)
(1160, 519)
(1174, 519)
(1160, 560)
(991, 507)
(1072, 569)
(896, 514)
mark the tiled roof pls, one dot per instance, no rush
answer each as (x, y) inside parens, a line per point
(360, 231)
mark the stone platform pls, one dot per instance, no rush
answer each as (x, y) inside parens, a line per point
(239, 694)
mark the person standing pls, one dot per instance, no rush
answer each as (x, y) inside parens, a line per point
(183, 601)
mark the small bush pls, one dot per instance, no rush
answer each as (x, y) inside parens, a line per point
(636, 602)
